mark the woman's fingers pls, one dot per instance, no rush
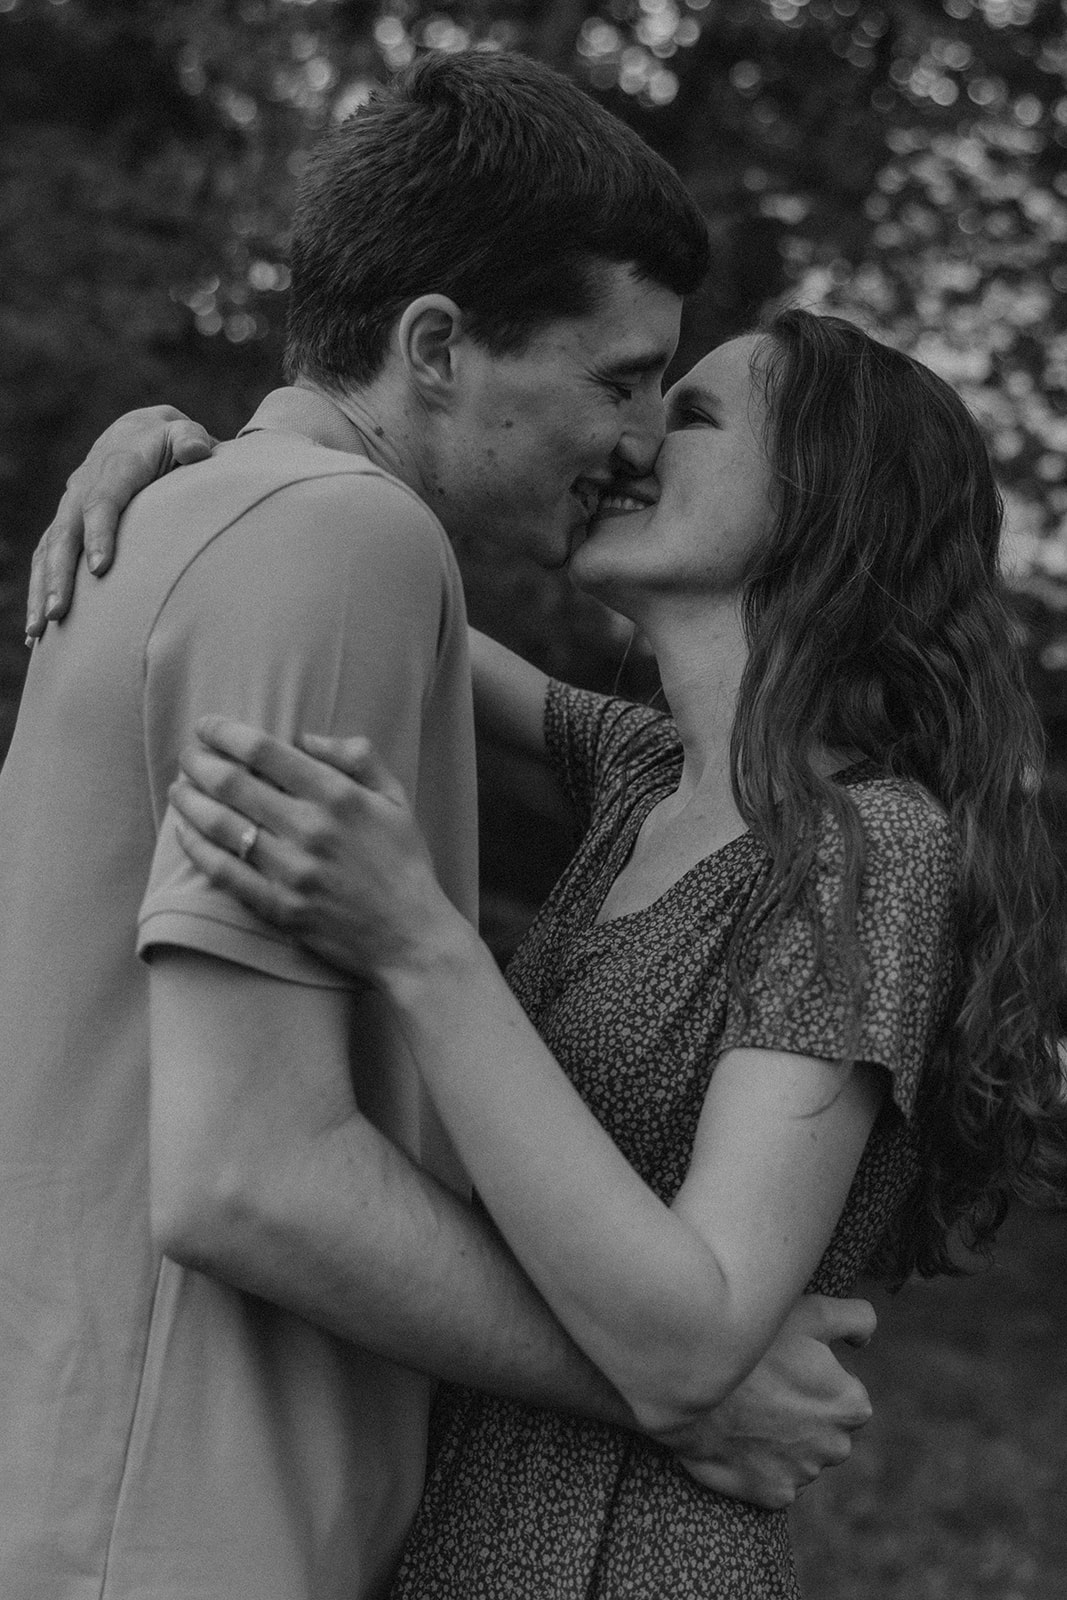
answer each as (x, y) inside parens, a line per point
(139, 447)
(54, 564)
(187, 442)
(281, 764)
(854, 1322)
(243, 857)
(262, 895)
(325, 857)
(310, 805)
(307, 773)
(358, 759)
(234, 786)
(157, 439)
(220, 825)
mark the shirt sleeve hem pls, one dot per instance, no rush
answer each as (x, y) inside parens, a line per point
(213, 935)
(903, 1082)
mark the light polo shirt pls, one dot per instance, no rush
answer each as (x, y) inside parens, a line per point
(163, 1436)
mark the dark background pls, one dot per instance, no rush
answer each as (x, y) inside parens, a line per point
(903, 162)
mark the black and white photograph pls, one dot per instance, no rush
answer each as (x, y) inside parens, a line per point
(533, 800)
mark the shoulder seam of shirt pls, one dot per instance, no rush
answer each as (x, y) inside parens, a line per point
(360, 468)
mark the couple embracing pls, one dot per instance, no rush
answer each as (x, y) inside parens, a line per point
(787, 1017)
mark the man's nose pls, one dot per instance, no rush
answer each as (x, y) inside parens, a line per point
(643, 434)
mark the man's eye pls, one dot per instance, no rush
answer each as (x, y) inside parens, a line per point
(624, 391)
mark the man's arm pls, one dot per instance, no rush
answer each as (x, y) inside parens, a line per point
(265, 1174)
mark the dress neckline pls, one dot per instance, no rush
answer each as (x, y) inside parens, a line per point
(622, 848)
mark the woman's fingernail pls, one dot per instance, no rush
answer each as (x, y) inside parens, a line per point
(95, 561)
(51, 605)
(30, 641)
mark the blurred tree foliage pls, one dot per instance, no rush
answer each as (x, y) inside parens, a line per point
(903, 161)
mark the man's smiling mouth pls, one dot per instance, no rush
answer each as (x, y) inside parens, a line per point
(588, 496)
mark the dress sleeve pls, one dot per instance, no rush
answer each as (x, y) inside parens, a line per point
(591, 738)
(906, 927)
(319, 610)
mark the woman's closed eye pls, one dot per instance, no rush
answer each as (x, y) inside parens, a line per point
(688, 415)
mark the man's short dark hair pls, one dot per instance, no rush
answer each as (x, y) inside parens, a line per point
(488, 178)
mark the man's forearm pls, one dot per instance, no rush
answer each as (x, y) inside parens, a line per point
(264, 1174)
(350, 1233)
(403, 1267)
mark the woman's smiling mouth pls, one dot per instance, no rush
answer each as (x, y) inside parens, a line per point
(613, 503)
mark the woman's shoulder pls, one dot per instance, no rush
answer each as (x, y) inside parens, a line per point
(605, 711)
(911, 852)
(603, 750)
(899, 812)
(611, 733)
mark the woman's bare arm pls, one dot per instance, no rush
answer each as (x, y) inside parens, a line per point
(509, 696)
(673, 1304)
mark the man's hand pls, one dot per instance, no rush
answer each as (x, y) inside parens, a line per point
(140, 446)
(793, 1415)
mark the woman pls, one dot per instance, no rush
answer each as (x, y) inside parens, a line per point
(799, 977)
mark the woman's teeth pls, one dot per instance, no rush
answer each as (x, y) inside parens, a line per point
(620, 502)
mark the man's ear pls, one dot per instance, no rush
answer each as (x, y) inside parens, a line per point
(428, 335)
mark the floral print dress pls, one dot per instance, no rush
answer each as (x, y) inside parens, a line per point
(524, 1504)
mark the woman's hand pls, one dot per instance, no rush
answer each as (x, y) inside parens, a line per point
(139, 447)
(320, 841)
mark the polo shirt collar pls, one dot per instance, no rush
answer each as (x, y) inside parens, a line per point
(311, 414)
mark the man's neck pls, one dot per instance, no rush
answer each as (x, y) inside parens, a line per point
(373, 417)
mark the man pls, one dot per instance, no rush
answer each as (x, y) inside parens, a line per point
(487, 278)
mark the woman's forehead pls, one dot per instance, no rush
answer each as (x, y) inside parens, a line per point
(731, 360)
(724, 374)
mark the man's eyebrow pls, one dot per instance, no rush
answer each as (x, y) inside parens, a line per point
(653, 361)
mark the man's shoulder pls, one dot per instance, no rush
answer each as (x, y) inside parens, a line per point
(288, 496)
(250, 470)
(331, 480)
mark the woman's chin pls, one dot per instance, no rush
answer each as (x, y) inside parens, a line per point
(595, 574)
(584, 567)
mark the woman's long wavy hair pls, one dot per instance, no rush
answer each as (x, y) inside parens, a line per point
(876, 621)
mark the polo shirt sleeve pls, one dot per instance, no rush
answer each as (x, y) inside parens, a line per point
(320, 609)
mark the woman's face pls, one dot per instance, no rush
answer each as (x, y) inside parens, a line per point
(692, 526)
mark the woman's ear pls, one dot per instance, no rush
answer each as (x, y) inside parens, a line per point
(428, 334)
